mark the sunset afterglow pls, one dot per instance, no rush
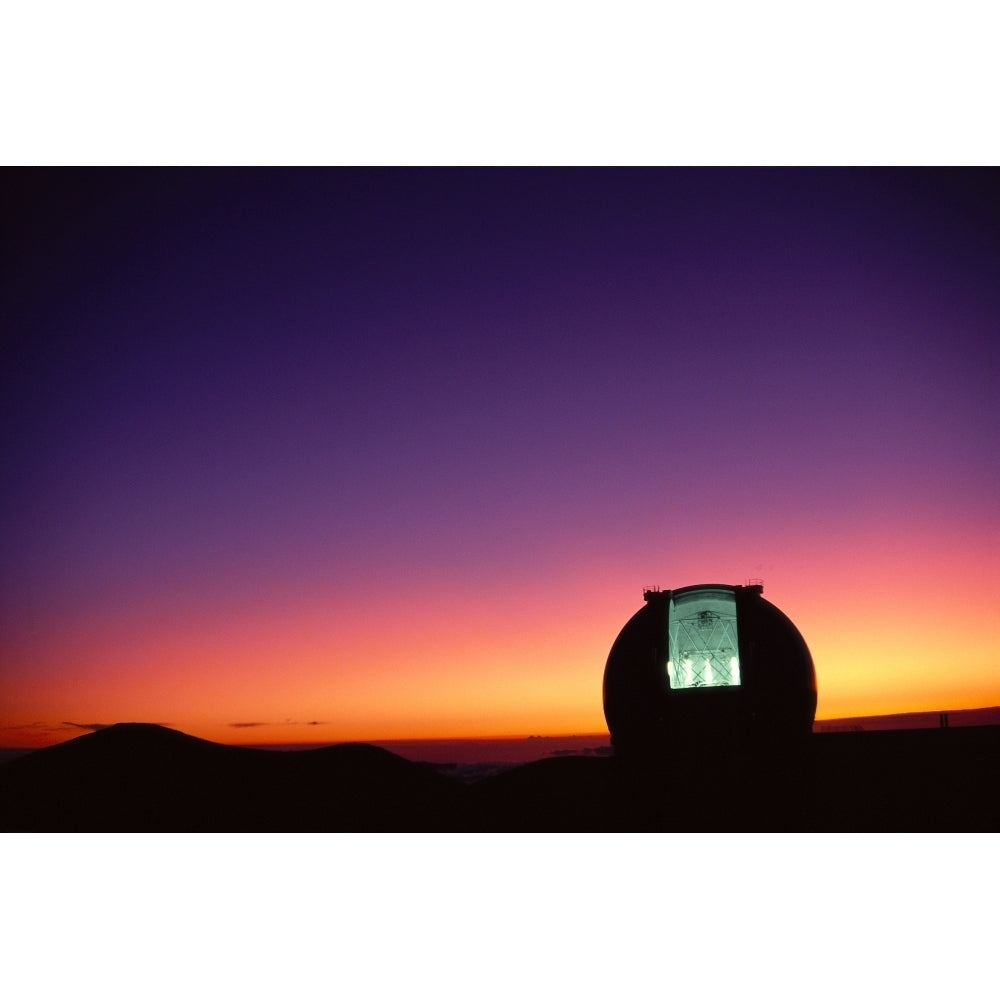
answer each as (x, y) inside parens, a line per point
(315, 456)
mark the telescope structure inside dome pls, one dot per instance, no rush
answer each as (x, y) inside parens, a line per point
(708, 665)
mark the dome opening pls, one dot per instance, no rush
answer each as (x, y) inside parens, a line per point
(703, 646)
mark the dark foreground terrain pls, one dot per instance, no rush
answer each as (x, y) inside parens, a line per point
(136, 777)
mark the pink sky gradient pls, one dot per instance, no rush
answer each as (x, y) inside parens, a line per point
(360, 454)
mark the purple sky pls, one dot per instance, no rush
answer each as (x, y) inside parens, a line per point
(231, 389)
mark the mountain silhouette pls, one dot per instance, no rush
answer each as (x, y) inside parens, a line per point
(135, 777)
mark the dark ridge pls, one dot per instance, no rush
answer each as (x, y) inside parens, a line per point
(556, 794)
(138, 777)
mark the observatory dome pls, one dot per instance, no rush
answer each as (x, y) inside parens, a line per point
(708, 664)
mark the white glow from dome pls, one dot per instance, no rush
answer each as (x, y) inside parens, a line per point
(702, 634)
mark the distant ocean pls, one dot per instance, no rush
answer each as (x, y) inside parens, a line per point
(521, 751)
(505, 751)
(490, 755)
(469, 760)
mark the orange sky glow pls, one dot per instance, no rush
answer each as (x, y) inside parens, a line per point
(513, 660)
(360, 454)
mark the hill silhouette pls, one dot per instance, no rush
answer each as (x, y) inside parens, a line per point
(135, 777)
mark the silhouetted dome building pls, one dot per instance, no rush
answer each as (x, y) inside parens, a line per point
(708, 666)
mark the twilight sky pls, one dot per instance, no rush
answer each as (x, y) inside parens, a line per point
(373, 454)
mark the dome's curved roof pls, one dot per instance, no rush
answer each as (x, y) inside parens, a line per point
(705, 660)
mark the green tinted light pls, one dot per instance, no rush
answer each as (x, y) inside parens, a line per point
(704, 647)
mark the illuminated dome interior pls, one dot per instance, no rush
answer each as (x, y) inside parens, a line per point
(703, 648)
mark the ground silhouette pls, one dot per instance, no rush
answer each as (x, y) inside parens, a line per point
(137, 777)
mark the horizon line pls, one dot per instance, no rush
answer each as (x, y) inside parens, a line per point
(605, 735)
